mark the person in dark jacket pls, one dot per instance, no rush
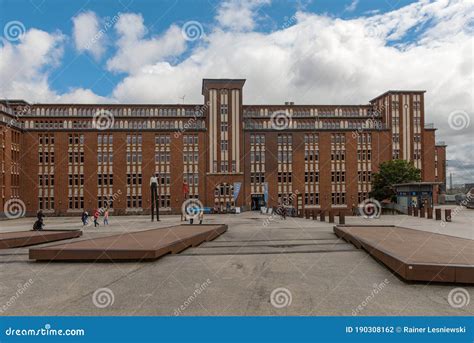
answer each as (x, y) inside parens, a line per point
(39, 225)
(84, 218)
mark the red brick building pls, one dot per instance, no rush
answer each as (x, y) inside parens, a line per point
(63, 158)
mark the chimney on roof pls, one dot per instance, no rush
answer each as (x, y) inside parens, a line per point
(289, 103)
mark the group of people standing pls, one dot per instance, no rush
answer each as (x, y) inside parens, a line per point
(97, 213)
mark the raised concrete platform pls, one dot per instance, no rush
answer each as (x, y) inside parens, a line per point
(17, 239)
(413, 254)
(142, 245)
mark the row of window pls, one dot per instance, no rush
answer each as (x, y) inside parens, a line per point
(257, 156)
(311, 155)
(187, 140)
(311, 177)
(46, 203)
(134, 179)
(134, 157)
(284, 177)
(46, 157)
(364, 138)
(105, 179)
(105, 157)
(338, 155)
(45, 180)
(76, 157)
(396, 105)
(396, 138)
(257, 177)
(338, 198)
(162, 157)
(345, 112)
(120, 111)
(256, 139)
(364, 176)
(46, 139)
(311, 139)
(338, 138)
(338, 176)
(311, 199)
(190, 157)
(105, 139)
(285, 156)
(364, 155)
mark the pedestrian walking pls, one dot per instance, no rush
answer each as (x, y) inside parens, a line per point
(201, 216)
(96, 217)
(106, 216)
(84, 217)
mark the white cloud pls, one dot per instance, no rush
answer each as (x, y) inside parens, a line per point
(352, 6)
(81, 95)
(24, 67)
(87, 35)
(239, 15)
(322, 59)
(135, 51)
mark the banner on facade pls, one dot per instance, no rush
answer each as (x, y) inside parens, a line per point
(237, 186)
(265, 192)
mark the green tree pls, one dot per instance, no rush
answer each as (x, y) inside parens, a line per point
(391, 173)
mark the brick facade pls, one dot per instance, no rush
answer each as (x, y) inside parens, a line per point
(63, 158)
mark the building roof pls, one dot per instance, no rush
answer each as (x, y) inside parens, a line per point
(13, 102)
(205, 82)
(397, 91)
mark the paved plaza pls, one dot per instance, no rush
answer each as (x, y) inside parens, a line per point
(261, 266)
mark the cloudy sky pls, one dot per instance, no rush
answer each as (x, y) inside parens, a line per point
(309, 52)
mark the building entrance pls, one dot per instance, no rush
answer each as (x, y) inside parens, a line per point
(258, 201)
